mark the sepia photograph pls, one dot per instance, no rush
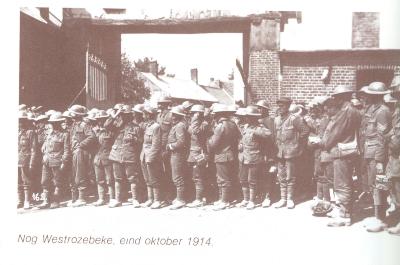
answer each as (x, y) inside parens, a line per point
(191, 135)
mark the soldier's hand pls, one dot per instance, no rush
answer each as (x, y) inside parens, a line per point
(379, 168)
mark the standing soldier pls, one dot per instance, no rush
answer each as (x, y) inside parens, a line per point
(268, 175)
(393, 167)
(177, 146)
(82, 141)
(224, 144)
(27, 152)
(187, 106)
(150, 158)
(125, 154)
(197, 160)
(291, 137)
(378, 123)
(102, 164)
(343, 133)
(164, 119)
(253, 140)
(56, 154)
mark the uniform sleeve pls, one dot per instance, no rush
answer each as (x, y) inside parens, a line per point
(90, 139)
(180, 132)
(34, 141)
(383, 121)
(301, 127)
(67, 150)
(262, 133)
(216, 138)
(155, 148)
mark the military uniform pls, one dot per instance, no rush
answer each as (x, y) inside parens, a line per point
(82, 142)
(150, 158)
(178, 144)
(224, 144)
(27, 154)
(56, 154)
(197, 159)
(125, 154)
(291, 135)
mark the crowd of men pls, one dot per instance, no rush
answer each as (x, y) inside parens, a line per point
(188, 155)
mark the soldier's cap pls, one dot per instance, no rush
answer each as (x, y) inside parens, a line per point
(56, 117)
(110, 111)
(388, 98)
(126, 109)
(138, 108)
(355, 102)
(91, 116)
(376, 88)
(178, 110)
(93, 110)
(164, 99)
(101, 114)
(362, 90)
(67, 114)
(340, 90)
(241, 112)
(23, 115)
(187, 104)
(284, 100)
(150, 109)
(49, 112)
(319, 99)
(220, 108)
(78, 110)
(42, 117)
(263, 104)
(252, 111)
(197, 108)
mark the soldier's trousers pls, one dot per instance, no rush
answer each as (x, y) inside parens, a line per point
(250, 174)
(287, 172)
(178, 167)
(24, 179)
(225, 178)
(52, 178)
(152, 173)
(127, 170)
(80, 170)
(370, 174)
(343, 184)
(198, 175)
(395, 192)
(104, 174)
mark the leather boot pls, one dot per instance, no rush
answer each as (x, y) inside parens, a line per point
(199, 192)
(27, 201)
(55, 201)
(150, 198)
(246, 197)
(102, 196)
(225, 200)
(290, 202)
(251, 205)
(20, 203)
(157, 199)
(111, 192)
(377, 224)
(45, 204)
(342, 218)
(282, 202)
(327, 195)
(180, 201)
(117, 202)
(74, 197)
(219, 196)
(395, 230)
(81, 199)
(267, 201)
(135, 202)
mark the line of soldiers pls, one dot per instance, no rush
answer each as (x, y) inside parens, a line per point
(183, 153)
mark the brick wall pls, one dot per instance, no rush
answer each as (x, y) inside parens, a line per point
(264, 75)
(365, 33)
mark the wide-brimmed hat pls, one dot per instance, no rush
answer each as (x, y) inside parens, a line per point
(101, 114)
(220, 108)
(22, 107)
(126, 109)
(197, 108)
(164, 99)
(252, 111)
(138, 108)
(340, 90)
(178, 110)
(187, 104)
(284, 100)
(78, 110)
(56, 117)
(263, 104)
(355, 102)
(42, 117)
(23, 115)
(376, 88)
(389, 99)
(118, 106)
(67, 114)
(150, 109)
(241, 112)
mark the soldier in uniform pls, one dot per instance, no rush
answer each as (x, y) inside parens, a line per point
(102, 164)
(82, 141)
(56, 154)
(378, 123)
(269, 172)
(253, 140)
(393, 167)
(197, 160)
(177, 146)
(164, 119)
(27, 152)
(187, 106)
(125, 155)
(291, 138)
(343, 132)
(150, 158)
(224, 144)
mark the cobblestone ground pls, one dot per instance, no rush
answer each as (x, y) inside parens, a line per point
(262, 236)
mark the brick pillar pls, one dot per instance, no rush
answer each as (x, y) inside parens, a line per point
(264, 62)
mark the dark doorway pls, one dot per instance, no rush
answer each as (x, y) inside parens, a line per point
(366, 77)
